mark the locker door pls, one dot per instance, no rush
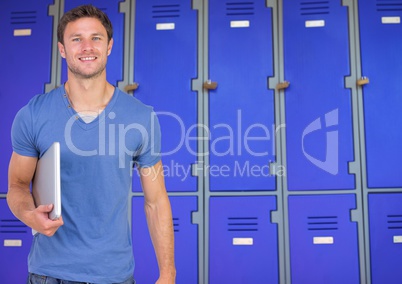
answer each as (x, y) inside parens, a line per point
(381, 63)
(241, 109)
(15, 243)
(243, 243)
(25, 57)
(114, 67)
(323, 240)
(319, 134)
(385, 217)
(165, 62)
(186, 246)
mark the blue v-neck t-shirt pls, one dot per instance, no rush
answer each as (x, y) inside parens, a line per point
(94, 244)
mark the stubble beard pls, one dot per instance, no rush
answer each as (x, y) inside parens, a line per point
(82, 75)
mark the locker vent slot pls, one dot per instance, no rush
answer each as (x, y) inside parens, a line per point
(394, 222)
(242, 224)
(322, 223)
(166, 11)
(176, 224)
(314, 8)
(389, 5)
(23, 17)
(239, 8)
(12, 226)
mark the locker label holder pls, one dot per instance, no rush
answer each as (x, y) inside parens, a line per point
(239, 24)
(397, 239)
(390, 20)
(165, 26)
(22, 32)
(315, 24)
(12, 243)
(243, 241)
(323, 240)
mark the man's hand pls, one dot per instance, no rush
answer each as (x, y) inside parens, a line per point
(40, 222)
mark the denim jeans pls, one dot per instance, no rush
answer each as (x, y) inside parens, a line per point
(39, 279)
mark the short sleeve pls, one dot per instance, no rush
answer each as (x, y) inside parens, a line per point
(150, 152)
(22, 136)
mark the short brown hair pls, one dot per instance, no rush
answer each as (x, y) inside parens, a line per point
(84, 11)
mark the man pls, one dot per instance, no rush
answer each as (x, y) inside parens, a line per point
(102, 132)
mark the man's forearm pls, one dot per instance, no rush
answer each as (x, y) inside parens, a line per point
(160, 224)
(20, 201)
(20, 173)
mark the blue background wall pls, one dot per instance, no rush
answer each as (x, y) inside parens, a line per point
(279, 124)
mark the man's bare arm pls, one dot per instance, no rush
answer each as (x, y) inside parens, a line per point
(19, 198)
(159, 217)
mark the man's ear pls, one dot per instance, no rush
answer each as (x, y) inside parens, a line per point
(61, 49)
(109, 46)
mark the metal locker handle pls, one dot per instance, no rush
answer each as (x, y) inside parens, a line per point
(363, 81)
(131, 87)
(209, 85)
(283, 85)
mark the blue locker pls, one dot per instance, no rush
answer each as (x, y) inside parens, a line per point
(114, 67)
(319, 133)
(241, 109)
(385, 226)
(243, 243)
(15, 243)
(25, 58)
(323, 240)
(186, 242)
(380, 47)
(165, 62)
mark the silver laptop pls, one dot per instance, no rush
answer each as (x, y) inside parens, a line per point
(46, 183)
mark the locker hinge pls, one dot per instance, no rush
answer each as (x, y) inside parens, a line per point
(276, 170)
(276, 217)
(273, 84)
(350, 82)
(197, 169)
(347, 3)
(196, 85)
(271, 3)
(197, 4)
(196, 217)
(353, 167)
(355, 215)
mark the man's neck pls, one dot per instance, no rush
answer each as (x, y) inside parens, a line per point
(89, 95)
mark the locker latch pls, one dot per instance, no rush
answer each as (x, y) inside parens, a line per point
(363, 81)
(131, 87)
(209, 85)
(283, 85)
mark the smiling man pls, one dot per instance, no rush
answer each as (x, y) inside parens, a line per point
(91, 241)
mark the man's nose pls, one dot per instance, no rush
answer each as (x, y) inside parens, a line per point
(87, 45)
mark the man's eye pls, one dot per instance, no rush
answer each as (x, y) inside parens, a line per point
(76, 39)
(96, 38)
